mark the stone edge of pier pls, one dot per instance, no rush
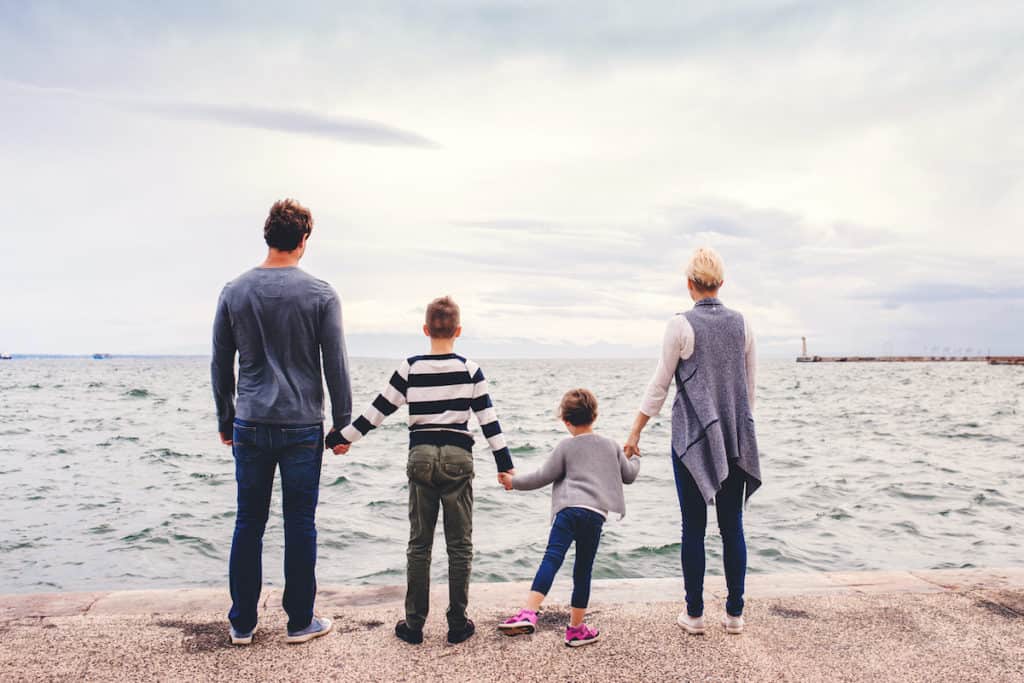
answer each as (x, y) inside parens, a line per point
(605, 591)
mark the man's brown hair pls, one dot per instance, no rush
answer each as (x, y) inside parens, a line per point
(578, 407)
(287, 224)
(443, 317)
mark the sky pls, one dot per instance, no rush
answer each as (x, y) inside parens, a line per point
(550, 165)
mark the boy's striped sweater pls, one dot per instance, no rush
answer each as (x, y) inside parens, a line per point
(440, 391)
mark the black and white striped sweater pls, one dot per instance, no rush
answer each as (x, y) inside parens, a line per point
(440, 391)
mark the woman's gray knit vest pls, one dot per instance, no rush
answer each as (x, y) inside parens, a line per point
(711, 419)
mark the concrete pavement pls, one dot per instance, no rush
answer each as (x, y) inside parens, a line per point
(848, 626)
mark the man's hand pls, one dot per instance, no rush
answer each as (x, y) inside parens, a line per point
(341, 449)
(632, 446)
(226, 440)
(505, 479)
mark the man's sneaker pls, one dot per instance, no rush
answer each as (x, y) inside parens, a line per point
(320, 626)
(241, 638)
(464, 633)
(525, 621)
(692, 625)
(578, 636)
(410, 635)
(732, 624)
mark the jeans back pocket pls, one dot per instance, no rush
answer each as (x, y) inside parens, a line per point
(244, 434)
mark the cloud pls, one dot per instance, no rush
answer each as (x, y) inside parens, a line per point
(942, 292)
(336, 128)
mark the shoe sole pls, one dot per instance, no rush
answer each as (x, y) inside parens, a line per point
(581, 643)
(733, 631)
(519, 629)
(305, 638)
(692, 631)
(243, 641)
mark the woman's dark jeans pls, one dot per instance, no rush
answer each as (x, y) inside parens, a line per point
(571, 524)
(259, 449)
(729, 509)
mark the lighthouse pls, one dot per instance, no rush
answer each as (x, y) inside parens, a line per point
(803, 357)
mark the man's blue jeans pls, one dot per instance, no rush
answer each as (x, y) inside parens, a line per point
(729, 509)
(259, 449)
(571, 524)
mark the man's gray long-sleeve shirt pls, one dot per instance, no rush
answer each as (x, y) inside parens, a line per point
(280, 322)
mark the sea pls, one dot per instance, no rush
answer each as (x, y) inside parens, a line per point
(112, 475)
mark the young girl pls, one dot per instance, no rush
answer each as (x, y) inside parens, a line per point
(588, 471)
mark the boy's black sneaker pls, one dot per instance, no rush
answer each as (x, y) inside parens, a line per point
(409, 635)
(464, 633)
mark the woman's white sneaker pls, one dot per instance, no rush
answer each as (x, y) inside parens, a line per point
(692, 625)
(733, 625)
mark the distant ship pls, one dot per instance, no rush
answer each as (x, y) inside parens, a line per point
(101, 356)
(5, 356)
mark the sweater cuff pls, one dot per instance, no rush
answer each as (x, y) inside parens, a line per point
(503, 458)
(226, 427)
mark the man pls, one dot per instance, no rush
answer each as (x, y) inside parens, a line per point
(280, 321)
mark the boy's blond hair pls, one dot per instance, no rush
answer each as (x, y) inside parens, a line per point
(706, 269)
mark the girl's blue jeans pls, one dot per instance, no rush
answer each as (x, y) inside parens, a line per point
(729, 510)
(571, 524)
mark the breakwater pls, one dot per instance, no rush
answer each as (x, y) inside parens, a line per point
(892, 626)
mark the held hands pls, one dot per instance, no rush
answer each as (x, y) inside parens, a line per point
(226, 440)
(334, 443)
(632, 446)
(505, 479)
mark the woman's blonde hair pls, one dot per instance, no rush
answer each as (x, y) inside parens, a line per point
(705, 269)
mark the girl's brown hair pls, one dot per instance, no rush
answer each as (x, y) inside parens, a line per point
(578, 407)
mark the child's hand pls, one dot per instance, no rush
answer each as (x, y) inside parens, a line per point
(505, 479)
(342, 448)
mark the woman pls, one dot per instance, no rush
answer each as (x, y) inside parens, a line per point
(709, 350)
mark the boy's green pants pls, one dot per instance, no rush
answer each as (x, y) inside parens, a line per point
(439, 476)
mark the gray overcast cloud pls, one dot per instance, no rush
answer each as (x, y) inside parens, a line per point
(551, 165)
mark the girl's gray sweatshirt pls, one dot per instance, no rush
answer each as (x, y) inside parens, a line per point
(587, 470)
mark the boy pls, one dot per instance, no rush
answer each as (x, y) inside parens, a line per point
(441, 388)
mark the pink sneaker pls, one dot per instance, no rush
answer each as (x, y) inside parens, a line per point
(578, 636)
(524, 621)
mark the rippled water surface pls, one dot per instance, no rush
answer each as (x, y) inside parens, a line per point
(111, 475)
